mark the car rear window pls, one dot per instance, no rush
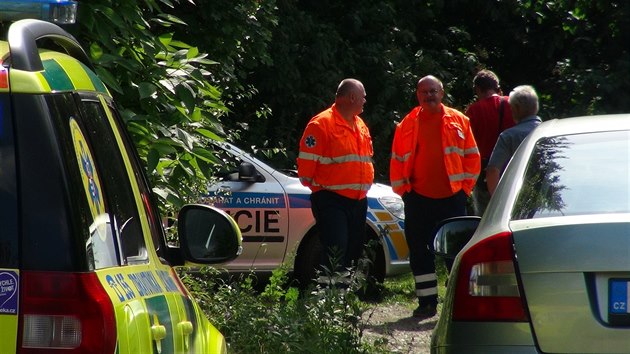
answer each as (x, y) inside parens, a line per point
(577, 174)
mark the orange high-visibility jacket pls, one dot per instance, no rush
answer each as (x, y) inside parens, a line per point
(335, 157)
(461, 156)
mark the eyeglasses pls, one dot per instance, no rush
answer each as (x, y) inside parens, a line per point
(430, 92)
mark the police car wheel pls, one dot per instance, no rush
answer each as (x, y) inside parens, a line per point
(376, 259)
(307, 259)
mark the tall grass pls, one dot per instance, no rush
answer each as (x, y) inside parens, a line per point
(282, 319)
(279, 319)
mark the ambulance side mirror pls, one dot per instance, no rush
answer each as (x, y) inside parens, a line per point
(208, 235)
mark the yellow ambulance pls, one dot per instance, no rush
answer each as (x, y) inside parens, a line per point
(84, 262)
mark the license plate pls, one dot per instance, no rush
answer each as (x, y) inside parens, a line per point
(618, 300)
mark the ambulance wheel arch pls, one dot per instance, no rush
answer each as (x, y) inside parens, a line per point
(309, 250)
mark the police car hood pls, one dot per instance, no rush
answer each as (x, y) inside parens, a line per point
(377, 190)
(381, 190)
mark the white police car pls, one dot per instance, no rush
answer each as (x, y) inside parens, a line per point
(273, 211)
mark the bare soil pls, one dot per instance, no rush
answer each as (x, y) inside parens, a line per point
(392, 327)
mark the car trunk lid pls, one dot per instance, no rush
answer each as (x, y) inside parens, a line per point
(567, 266)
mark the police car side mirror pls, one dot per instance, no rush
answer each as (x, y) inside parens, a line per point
(247, 173)
(453, 234)
(208, 235)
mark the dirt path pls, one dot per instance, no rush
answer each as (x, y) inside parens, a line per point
(391, 327)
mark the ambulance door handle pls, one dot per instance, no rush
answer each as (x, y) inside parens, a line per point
(186, 329)
(158, 332)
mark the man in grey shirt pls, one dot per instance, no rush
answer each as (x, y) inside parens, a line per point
(524, 104)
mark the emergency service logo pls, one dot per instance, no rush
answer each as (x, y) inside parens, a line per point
(88, 173)
(8, 292)
(310, 141)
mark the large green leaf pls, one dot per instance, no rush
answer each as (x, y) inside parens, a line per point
(209, 134)
(206, 155)
(146, 89)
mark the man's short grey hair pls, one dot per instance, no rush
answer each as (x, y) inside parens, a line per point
(525, 98)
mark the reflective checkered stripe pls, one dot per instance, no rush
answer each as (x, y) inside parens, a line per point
(390, 228)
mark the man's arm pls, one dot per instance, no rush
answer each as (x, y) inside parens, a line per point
(311, 150)
(471, 161)
(498, 159)
(492, 178)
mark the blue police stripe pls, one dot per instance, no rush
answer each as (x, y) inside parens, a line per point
(373, 203)
(297, 201)
(392, 250)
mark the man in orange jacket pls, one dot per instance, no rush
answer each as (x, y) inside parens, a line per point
(434, 166)
(335, 162)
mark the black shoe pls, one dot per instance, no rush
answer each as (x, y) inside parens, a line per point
(425, 311)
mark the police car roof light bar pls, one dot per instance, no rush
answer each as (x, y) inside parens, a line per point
(23, 36)
(56, 11)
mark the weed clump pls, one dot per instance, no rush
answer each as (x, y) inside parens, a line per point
(280, 318)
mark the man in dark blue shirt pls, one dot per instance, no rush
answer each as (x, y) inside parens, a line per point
(524, 104)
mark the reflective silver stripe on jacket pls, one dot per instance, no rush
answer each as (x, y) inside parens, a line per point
(401, 158)
(462, 176)
(399, 182)
(460, 152)
(332, 160)
(473, 150)
(338, 187)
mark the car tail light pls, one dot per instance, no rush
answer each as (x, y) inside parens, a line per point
(4, 77)
(65, 312)
(487, 289)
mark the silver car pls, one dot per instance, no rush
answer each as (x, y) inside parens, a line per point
(547, 268)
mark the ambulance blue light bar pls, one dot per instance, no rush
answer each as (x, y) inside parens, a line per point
(61, 12)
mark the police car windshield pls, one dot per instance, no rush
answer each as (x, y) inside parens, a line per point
(274, 158)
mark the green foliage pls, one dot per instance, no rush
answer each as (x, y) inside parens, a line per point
(277, 319)
(388, 45)
(163, 88)
(285, 58)
(276, 63)
(237, 34)
(401, 288)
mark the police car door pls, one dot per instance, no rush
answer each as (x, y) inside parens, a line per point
(254, 198)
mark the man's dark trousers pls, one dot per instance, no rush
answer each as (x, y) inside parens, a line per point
(422, 214)
(341, 225)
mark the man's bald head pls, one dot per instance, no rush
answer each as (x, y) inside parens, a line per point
(350, 98)
(430, 92)
(348, 86)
